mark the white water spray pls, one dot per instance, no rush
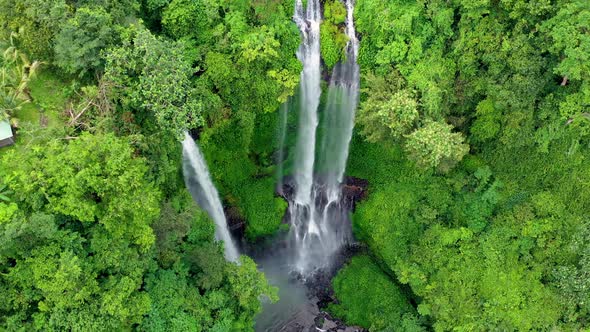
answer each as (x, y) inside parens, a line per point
(308, 22)
(304, 229)
(341, 105)
(198, 181)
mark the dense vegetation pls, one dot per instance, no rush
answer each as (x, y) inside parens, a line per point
(473, 132)
(97, 230)
(495, 243)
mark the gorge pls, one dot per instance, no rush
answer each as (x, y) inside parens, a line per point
(319, 220)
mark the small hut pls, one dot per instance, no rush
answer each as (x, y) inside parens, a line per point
(6, 136)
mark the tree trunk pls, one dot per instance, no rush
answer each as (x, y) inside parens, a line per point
(564, 81)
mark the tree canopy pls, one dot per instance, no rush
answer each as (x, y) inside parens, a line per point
(472, 132)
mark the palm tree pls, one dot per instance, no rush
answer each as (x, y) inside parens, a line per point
(15, 73)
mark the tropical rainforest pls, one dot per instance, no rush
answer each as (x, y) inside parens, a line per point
(472, 133)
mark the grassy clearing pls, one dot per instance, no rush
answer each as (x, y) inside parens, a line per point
(49, 97)
(28, 113)
(48, 91)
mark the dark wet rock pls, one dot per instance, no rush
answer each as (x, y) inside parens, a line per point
(319, 283)
(354, 190)
(326, 72)
(235, 221)
(325, 322)
(195, 133)
(286, 189)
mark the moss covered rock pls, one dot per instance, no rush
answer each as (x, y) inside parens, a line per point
(332, 37)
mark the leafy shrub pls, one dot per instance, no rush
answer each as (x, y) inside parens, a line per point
(369, 298)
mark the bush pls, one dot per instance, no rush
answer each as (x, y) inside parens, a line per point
(81, 39)
(332, 38)
(369, 298)
(262, 210)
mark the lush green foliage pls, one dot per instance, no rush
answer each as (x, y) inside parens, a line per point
(81, 38)
(368, 298)
(82, 219)
(239, 157)
(434, 145)
(247, 54)
(16, 72)
(98, 232)
(246, 67)
(392, 113)
(332, 37)
(493, 243)
(70, 34)
(390, 119)
(473, 132)
(497, 225)
(82, 228)
(152, 75)
(196, 289)
(37, 23)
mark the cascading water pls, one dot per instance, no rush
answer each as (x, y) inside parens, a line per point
(320, 226)
(308, 22)
(280, 159)
(340, 110)
(198, 181)
(319, 221)
(304, 229)
(339, 114)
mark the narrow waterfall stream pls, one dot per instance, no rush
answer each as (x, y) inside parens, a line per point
(282, 136)
(198, 181)
(339, 114)
(308, 21)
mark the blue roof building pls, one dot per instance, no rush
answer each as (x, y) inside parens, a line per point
(6, 136)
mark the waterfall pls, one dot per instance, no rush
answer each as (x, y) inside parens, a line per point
(339, 114)
(308, 22)
(304, 229)
(198, 181)
(319, 224)
(282, 133)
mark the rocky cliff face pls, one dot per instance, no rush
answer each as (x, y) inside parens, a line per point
(354, 190)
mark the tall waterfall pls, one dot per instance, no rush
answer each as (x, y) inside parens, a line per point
(319, 224)
(308, 22)
(198, 181)
(304, 230)
(339, 114)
